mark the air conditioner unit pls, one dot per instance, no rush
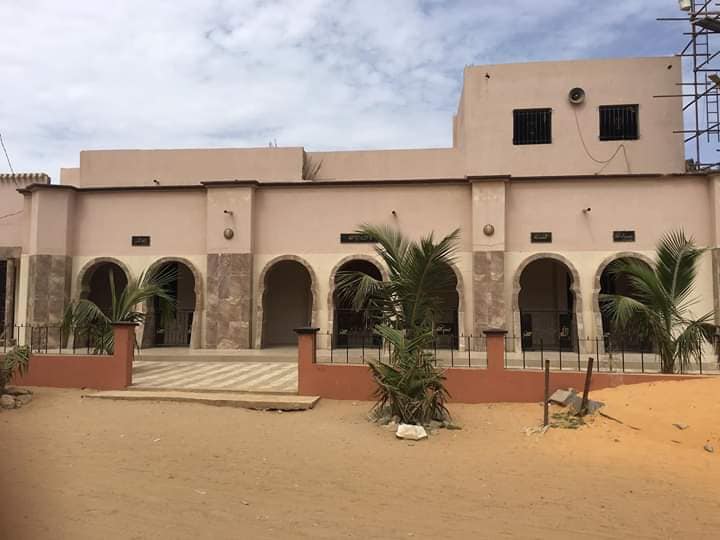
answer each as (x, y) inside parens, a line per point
(576, 96)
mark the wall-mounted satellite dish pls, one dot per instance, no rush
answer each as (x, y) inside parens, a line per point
(576, 96)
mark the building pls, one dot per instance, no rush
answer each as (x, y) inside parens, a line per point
(546, 193)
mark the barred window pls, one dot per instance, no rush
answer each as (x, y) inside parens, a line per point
(532, 126)
(618, 122)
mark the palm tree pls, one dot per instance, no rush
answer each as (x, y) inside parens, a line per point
(660, 307)
(86, 320)
(405, 307)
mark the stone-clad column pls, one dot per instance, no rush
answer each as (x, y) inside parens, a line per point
(9, 292)
(228, 312)
(49, 282)
(489, 290)
(228, 308)
(488, 219)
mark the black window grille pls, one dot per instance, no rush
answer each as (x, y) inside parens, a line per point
(618, 122)
(532, 126)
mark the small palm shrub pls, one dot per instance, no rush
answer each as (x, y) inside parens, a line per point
(409, 386)
(661, 303)
(405, 307)
(15, 362)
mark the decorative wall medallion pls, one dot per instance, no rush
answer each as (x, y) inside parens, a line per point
(489, 230)
(228, 233)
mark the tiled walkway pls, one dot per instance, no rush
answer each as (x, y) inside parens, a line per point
(223, 375)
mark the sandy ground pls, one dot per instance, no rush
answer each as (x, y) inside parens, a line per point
(88, 469)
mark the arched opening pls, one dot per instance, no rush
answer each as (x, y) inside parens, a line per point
(96, 284)
(172, 324)
(447, 327)
(613, 281)
(287, 302)
(547, 306)
(353, 328)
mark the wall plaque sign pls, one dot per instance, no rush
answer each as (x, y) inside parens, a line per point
(355, 238)
(540, 237)
(142, 241)
(623, 236)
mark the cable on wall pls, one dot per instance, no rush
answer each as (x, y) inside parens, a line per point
(603, 162)
(11, 215)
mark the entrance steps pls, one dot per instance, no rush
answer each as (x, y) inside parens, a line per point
(245, 400)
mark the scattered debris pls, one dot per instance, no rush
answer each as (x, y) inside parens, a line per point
(709, 448)
(7, 401)
(411, 432)
(536, 430)
(201, 491)
(605, 415)
(681, 426)
(570, 398)
(14, 398)
(566, 420)
(391, 426)
(562, 397)
(448, 424)
(13, 391)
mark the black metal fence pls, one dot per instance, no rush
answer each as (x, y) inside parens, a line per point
(447, 350)
(611, 353)
(56, 339)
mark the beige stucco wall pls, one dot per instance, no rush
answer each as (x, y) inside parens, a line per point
(492, 92)
(186, 166)
(11, 206)
(314, 217)
(105, 222)
(390, 164)
(649, 206)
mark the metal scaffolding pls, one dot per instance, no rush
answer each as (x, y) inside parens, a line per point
(701, 94)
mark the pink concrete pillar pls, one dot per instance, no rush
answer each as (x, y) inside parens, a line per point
(124, 349)
(307, 349)
(495, 345)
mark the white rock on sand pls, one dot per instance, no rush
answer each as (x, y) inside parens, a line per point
(410, 432)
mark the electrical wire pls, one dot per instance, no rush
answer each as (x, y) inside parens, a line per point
(603, 162)
(2, 143)
(11, 215)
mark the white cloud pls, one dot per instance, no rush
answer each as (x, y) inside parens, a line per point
(320, 73)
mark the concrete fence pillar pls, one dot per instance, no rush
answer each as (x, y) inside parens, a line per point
(124, 348)
(495, 345)
(307, 355)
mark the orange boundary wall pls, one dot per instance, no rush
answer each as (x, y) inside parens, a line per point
(101, 372)
(465, 385)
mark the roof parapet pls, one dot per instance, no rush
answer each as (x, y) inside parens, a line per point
(24, 179)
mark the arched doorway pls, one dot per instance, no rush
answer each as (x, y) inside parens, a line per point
(447, 321)
(353, 328)
(98, 281)
(546, 303)
(287, 302)
(172, 325)
(613, 281)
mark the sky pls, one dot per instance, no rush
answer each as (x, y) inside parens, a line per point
(323, 74)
